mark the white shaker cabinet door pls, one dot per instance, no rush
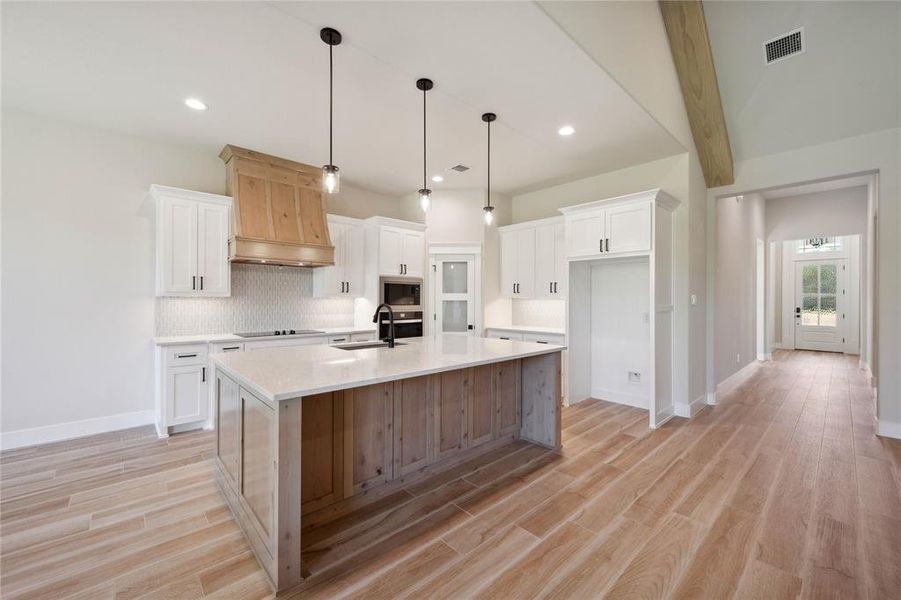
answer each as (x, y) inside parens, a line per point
(329, 281)
(178, 272)
(561, 274)
(585, 234)
(390, 244)
(545, 261)
(508, 263)
(412, 255)
(186, 394)
(214, 271)
(629, 228)
(354, 257)
(525, 254)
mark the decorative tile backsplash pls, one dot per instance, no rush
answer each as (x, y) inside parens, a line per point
(263, 297)
(539, 313)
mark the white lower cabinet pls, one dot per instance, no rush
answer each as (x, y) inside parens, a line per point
(303, 341)
(503, 335)
(186, 391)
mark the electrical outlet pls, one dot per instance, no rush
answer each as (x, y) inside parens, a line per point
(634, 377)
(738, 359)
(694, 300)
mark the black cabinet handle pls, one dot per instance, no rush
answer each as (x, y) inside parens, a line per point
(504, 338)
(555, 287)
(194, 355)
(607, 245)
(400, 268)
(550, 287)
(540, 342)
(600, 245)
(229, 348)
(201, 282)
(348, 287)
(342, 287)
(514, 288)
(203, 375)
(193, 282)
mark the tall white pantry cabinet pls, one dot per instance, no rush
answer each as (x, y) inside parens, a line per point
(633, 234)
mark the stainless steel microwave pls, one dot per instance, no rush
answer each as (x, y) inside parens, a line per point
(401, 294)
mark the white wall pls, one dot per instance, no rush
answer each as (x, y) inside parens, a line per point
(835, 212)
(871, 152)
(456, 216)
(740, 223)
(78, 264)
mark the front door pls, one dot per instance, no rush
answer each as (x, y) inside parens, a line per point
(820, 305)
(455, 295)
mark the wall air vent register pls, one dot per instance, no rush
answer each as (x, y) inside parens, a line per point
(784, 46)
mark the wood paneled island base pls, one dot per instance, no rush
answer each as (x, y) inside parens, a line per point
(286, 465)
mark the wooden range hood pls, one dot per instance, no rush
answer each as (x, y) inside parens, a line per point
(279, 214)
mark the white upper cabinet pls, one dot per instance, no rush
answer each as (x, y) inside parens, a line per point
(619, 226)
(550, 261)
(401, 252)
(532, 260)
(192, 231)
(345, 278)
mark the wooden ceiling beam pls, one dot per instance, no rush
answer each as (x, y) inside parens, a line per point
(686, 29)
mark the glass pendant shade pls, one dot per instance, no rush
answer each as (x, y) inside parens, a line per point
(425, 199)
(489, 215)
(331, 179)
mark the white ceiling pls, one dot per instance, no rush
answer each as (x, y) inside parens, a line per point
(263, 71)
(847, 83)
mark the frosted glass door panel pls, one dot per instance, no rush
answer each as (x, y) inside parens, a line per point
(455, 295)
(455, 316)
(454, 277)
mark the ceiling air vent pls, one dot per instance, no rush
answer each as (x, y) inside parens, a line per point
(784, 46)
(459, 168)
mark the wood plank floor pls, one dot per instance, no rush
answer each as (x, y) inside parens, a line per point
(781, 490)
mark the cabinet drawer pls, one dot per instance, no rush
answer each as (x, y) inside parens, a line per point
(503, 335)
(227, 347)
(543, 338)
(194, 354)
(363, 337)
(340, 339)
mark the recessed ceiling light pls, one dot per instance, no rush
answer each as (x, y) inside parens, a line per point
(566, 130)
(195, 104)
(437, 178)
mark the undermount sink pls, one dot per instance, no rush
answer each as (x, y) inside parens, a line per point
(364, 345)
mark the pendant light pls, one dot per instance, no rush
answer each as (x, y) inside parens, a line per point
(489, 217)
(425, 194)
(331, 180)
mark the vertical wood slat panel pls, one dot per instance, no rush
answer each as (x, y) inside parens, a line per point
(508, 396)
(482, 424)
(451, 400)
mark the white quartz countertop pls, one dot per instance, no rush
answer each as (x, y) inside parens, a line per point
(528, 329)
(212, 338)
(290, 372)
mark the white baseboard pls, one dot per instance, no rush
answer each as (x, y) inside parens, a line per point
(664, 416)
(711, 398)
(690, 409)
(75, 429)
(776, 346)
(888, 429)
(765, 357)
(620, 397)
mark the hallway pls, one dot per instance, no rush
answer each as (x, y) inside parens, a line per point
(780, 490)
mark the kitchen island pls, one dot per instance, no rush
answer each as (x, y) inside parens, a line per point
(302, 430)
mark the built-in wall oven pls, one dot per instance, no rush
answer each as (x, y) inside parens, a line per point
(406, 324)
(404, 296)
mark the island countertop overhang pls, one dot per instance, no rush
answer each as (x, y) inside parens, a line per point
(278, 374)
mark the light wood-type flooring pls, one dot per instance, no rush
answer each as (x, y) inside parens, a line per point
(781, 490)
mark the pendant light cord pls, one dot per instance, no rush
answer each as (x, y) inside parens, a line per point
(423, 139)
(331, 86)
(489, 163)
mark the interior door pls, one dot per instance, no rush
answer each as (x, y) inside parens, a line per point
(455, 295)
(820, 293)
(212, 249)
